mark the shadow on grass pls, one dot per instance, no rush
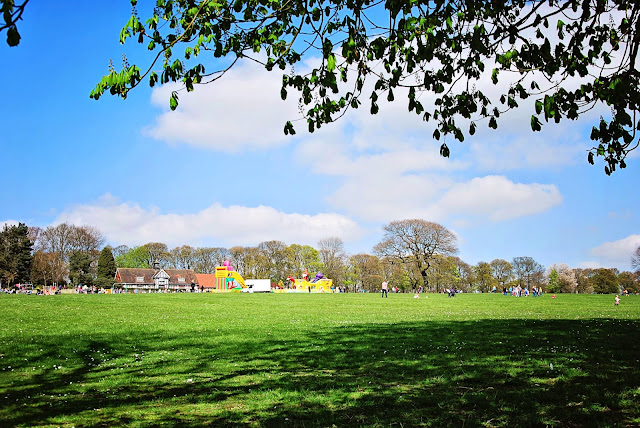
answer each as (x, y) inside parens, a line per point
(475, 373)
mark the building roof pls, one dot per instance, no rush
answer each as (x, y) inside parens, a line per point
(206, 280)
(131, 275)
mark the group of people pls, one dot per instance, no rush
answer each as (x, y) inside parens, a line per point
(518, 291)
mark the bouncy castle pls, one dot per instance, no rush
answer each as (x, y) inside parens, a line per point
(319, 284)
(227, 279)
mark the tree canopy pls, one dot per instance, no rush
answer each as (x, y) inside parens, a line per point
(563, 57)
(15, 254)
(416, 243)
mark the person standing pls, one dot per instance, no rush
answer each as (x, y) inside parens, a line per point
(385, 289)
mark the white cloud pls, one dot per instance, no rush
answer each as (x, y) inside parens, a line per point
(130, 224)
(408, 182)
(498, 198)
(617, 253)
(243, 111)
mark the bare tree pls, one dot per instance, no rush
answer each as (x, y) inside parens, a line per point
(57, 239)
(87, 239)
(528, 272)
(47, 268)
(182, 257)
(366, 272)
(66, 238)
(635, 260)
(158, 252)
(119, 250)
(276, 256)
(416, 242)
(206, 259)
(333, 257)
(237, 255)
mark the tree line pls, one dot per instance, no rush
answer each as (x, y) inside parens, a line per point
(411, 254)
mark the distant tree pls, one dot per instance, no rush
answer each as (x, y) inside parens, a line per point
(605, 281)
(304, 257)
(629, 281)
(66, 238)
(106, 264)
(275, 257)
(257, 264)
(237, 255)
(528, 272)
(568, 281)
(584, 280)
(554, 282)
(484, 278)
(366, 272)
(333, 257)
(206, 259)
(635, 260)
(502, 271)
(15, 254)
(158, 252)
(443, 272)
(562, 279)
(47, 268)
(182, 257)
(119, 250)
(465, 275)
(416, 242)
(80, 268)
(136, 257)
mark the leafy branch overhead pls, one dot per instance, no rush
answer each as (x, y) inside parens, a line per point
(568, 56)
(11, 14)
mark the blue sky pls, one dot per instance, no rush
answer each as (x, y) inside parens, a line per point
(220, 172)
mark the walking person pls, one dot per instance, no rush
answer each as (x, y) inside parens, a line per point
(385, 289)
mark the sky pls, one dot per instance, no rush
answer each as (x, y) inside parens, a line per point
(220, 172)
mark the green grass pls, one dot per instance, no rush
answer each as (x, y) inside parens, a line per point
(319, 360)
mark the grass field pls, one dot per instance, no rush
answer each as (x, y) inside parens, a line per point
(319, 360)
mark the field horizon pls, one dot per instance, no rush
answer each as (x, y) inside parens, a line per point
(319, 360)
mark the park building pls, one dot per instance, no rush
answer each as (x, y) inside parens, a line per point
(156, 279)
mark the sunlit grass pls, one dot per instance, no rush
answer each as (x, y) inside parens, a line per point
(318, 360)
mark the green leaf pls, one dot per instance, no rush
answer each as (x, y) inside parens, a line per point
(288, 129)
(444, 150)
(539, 106)
(13, 37)
(173, 101)
(331, 62)
(535, 124)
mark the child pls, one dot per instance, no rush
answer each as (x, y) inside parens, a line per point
(617, 300)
